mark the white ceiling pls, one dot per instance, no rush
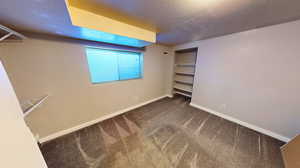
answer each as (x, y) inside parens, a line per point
(180, 21)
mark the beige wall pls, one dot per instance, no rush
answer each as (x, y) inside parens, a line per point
(37, 67)
(252, 76)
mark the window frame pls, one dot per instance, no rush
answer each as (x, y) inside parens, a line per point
(141, 57)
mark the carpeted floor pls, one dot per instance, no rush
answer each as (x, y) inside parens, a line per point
(165, 134)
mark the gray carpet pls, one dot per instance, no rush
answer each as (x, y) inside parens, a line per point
(164, 134)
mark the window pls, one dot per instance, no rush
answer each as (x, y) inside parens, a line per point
(112, 65)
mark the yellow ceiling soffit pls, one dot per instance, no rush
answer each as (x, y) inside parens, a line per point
(88, 18)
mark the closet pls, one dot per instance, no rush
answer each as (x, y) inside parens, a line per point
(8, 35)
(184, 71)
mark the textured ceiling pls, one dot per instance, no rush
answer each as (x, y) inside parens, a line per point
(179, 21)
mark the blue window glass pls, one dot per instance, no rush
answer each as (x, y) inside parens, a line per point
(129, 65)
(112, 65)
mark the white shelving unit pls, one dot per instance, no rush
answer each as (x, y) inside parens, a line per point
(35, 105)
(7, 34)
(184, 71)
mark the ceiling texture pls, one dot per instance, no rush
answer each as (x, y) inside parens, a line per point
(177, 21)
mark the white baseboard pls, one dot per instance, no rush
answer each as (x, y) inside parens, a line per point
(245, 124)
(89, 123)
(170, 96)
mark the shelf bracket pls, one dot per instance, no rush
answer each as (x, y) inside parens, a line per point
(10, 33)
(6, 36)
(34, 106)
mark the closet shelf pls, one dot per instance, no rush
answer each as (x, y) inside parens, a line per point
(184, 82)
(186, 88)
(185, 64)
(184, 94)
(183, 89)
(184, 73)
(34, 106)
(7, 32)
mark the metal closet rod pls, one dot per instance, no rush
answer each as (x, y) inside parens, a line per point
(10, 32)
